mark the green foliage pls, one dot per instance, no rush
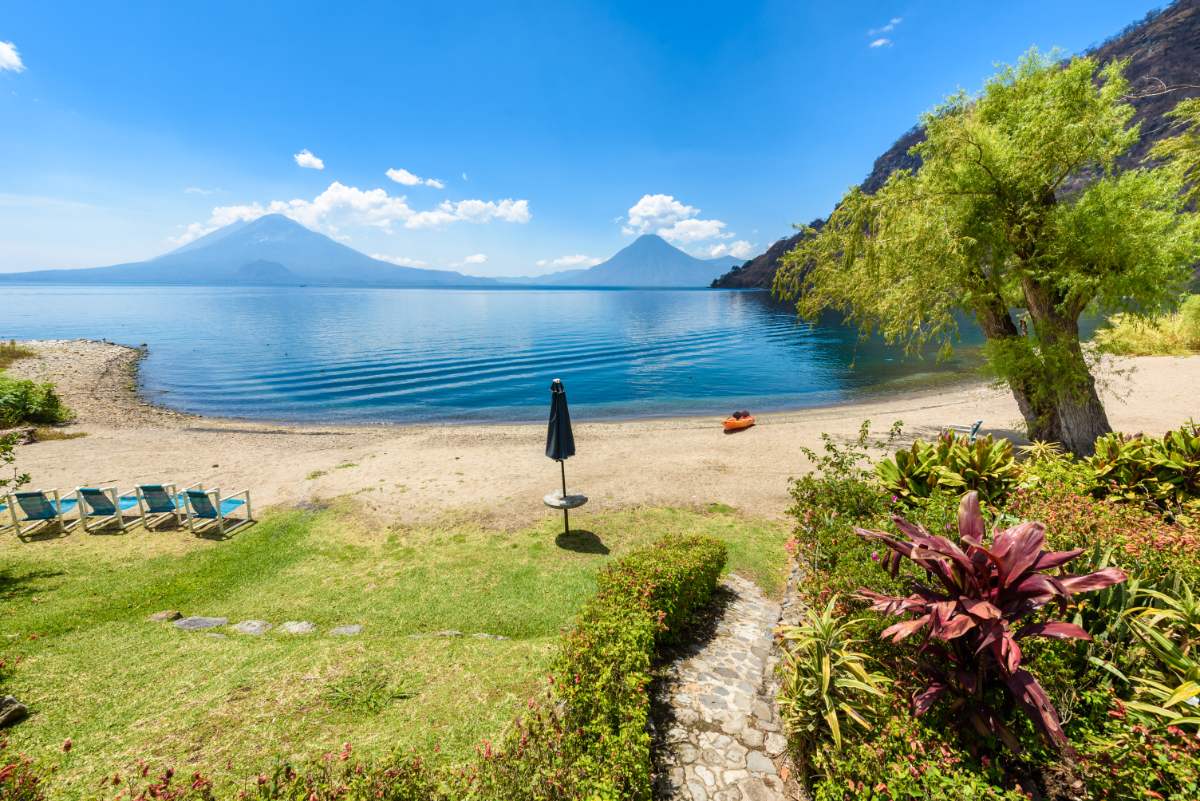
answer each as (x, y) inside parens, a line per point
(1121, 761)
(951, 464)
(1164, 471)
(1170, 629)
(20, 778)
(825, 679)
(1177, 333)
(906, 759)
(367, 691)
(983, 227)
(840, 482)
(644, 600)
(1182, 152)
(10, 479)
(23, 401)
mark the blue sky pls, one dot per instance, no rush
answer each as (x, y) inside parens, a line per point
(521, 138)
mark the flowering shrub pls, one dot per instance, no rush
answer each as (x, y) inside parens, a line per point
(1138, 538)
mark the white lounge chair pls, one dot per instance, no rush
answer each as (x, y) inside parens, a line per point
(103, 506)
(35, 510)
(208, 505)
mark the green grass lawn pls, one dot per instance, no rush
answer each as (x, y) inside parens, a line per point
(81, 654)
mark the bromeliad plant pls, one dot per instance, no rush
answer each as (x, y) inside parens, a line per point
(951, 463)
(976, 608)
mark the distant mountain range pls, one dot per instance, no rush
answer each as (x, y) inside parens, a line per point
(1163, 50)
(275, 250)
(649, 261)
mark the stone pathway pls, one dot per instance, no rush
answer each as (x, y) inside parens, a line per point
(722, 739)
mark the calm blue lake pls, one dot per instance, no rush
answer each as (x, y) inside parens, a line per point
(465, 355)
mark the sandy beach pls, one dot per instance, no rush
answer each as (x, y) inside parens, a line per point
(498, 473)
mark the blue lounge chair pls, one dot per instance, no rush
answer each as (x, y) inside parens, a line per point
(40, 510)
(208, 505)
(159, 502)
(103, 506)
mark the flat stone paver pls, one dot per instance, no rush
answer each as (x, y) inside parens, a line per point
(165, 616)
(195, 623)
(724, 738)
(346, 631)
(253, 627)
(298, 627)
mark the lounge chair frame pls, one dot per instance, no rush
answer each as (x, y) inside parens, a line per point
(58, 522)
(151, 520)
(99, 520)
(224, 525)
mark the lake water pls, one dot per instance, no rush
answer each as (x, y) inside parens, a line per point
(465, 355)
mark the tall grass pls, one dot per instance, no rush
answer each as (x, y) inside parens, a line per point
(1169, 335)
(10, 351)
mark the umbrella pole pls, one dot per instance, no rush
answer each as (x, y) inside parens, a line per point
(566, 514)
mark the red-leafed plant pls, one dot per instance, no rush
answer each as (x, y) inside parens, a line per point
(972, 610)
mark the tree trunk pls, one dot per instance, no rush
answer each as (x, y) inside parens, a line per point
(1041, 415)
(1079, 412)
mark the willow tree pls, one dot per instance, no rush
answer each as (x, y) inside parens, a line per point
(1017, 217)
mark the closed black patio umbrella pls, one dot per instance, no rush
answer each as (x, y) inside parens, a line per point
(560, 446)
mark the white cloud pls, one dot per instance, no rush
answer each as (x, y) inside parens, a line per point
(401, 261)
(477, 258)
(403, 176)
(741, 249)
(10, 59)
(306, 159)
(673, 220)
(340, 205)
(882, 42)
(474, 211)
(578, 260)
(657, 211)
(888, 28)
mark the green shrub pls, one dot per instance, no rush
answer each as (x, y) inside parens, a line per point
(826, 682)
(951, 464)
(1163, 471)
(644, 600)
(23, 401)
(1123, 761)
(1170, 334)
(905, 759)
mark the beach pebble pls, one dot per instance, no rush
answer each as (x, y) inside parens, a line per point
(346, 631)
(253, 627)
(298, 627)
(165, 616)
(196, 623)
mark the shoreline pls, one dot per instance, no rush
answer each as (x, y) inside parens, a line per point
(496, 473)
(127, 359)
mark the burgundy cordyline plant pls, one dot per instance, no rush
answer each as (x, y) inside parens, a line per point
(972, 609)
